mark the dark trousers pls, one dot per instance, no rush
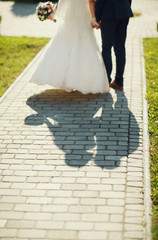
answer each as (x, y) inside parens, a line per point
(114, 34)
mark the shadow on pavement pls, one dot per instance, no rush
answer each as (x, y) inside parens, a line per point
(86, 128)
(23, 9)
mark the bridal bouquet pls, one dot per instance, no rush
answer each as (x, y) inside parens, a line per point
(44, 9)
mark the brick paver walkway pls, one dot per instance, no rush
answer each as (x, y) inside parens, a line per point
(72, 165)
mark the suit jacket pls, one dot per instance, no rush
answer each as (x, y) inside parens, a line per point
(113, 9)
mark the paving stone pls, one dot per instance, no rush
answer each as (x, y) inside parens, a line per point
(134, 235)
(60, 193)
(110, 209)
(115, 235)
(100, 187)
(112, 194)
(40, 234)
(94, 217)
(85, 194)
(2, 223)
(37, 216)
(109, 227)
(133, 220)
(62, 234)
(134, 213)
(11, 192)
(31, 192)
(6, 206)
(20, 224)
(134, 227)
(39, 200)
(27, 208)
(74, 186)
(4, 185)
(23, 185)
(11, 215)
(79, 225)
(119, 188)
(11, 199)
(82, 209)
(49, 225)
(37, 179)
(66, 216)
(8, 233)
(116, 202)
(55, 208)
(50, 186)
(116, 218)
(92, 201)
(92, 235)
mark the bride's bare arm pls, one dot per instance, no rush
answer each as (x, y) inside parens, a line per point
(92, 7)
(92, 11)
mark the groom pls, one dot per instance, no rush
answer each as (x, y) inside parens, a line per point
(113, 15)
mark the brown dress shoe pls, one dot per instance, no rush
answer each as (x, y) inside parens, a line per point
(114, 85)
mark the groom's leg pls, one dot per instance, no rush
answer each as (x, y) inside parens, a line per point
(119, 48)
(108, 28)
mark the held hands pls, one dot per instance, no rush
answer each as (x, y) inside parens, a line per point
(94, 23)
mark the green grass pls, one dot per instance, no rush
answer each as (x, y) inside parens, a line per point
(16, 53)
(151, 58)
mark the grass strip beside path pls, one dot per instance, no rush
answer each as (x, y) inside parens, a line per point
(16, 53)
(151, 63)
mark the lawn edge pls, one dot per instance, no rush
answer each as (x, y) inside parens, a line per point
(146, 153)
(22, 74)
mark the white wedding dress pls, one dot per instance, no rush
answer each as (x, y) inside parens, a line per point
(72, 59)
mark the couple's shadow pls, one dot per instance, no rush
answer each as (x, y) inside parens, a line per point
(89, 129)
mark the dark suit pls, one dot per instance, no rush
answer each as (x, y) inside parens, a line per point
(114, 17)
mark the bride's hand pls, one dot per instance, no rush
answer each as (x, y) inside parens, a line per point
(94, 23)
(51, 17)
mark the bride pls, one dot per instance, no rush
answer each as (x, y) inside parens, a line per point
(72, 59)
